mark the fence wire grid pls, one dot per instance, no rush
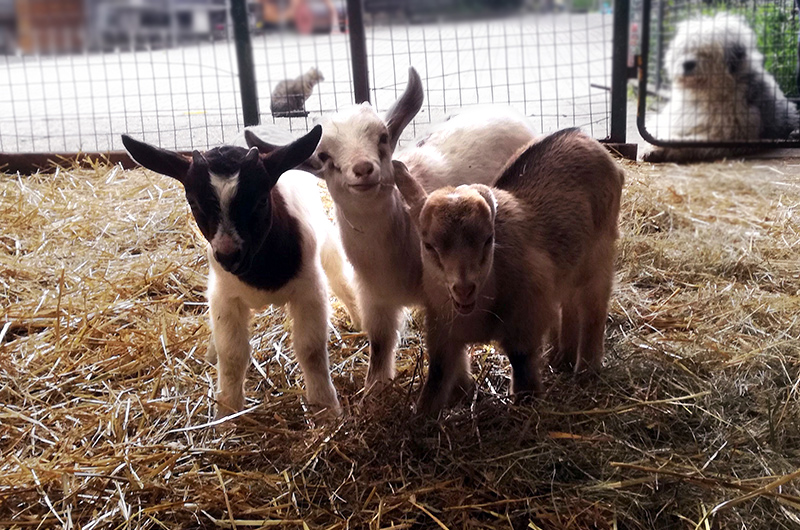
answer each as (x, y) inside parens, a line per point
(555, 68)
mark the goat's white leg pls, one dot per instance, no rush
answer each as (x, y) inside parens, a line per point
(382, 323)
(340, 274)
(230, 337)
(310, 311)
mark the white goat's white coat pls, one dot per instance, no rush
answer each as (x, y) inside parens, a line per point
(472, 147)
(377, 233)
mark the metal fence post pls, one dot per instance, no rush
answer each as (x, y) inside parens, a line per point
(659, 43)
(619, 72)
(358, 49)
(244, 58)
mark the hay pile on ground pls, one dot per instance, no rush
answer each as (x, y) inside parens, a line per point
(693, 423)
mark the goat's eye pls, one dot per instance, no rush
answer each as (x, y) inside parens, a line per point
(488, 242)
(384, 139)
(263, 201)
(323, 157)
(429, 247)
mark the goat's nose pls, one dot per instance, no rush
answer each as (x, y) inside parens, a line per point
(226, 251)
(464, 291)
(689, 66)
(229, 260)
(363, 169)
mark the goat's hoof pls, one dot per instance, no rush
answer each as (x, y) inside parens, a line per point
(562, 361)
(462, 390)
(377, 380)
(526, 398)
(430, 404)
(326, 413)
(221, 415)
(211, 352)
(585, 372)
(376, 387)
(227, 405)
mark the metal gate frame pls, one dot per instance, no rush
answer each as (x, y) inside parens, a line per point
(26, 163)
(642, 64)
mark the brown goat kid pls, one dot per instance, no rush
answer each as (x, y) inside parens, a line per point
(531, 258)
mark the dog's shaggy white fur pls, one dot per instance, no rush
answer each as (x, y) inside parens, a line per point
(720, 91)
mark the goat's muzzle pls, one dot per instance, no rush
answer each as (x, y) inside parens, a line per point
(464, 297)
(365, 176)
(228, 253)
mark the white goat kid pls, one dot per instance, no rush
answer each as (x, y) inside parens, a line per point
(269, 241)
(354, 157)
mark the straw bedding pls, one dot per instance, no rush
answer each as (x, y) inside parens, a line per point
(104, 392)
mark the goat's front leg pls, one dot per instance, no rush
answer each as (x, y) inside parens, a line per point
(524, 345)
(448, 368)
(382, 324)
(230, 341)
(310, 311)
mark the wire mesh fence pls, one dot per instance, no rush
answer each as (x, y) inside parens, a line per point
(555, 68)
(723, 72)
(184, 93)
(179, 98)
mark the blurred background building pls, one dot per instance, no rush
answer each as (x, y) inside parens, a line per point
(59, 26)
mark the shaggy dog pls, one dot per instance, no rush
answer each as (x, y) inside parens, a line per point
(720, 91)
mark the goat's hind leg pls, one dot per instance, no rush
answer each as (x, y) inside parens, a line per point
(565, 354)
(594, 313)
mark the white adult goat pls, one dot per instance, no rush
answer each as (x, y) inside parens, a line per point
(354, 157)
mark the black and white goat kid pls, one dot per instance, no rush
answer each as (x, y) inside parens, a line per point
(269, 242)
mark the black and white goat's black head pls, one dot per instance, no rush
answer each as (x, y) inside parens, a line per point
(230, 191)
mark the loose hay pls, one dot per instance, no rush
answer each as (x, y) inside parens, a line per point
(104, 390)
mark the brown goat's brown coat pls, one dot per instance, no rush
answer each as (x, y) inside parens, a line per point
(530, 257)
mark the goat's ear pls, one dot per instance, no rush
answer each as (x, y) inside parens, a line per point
(313, 165)
(251, 156)
(488, 196)
(294, 154)
(405, 108)
(264, 148)
(411, 190)
(161, 161)
(198, 159)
